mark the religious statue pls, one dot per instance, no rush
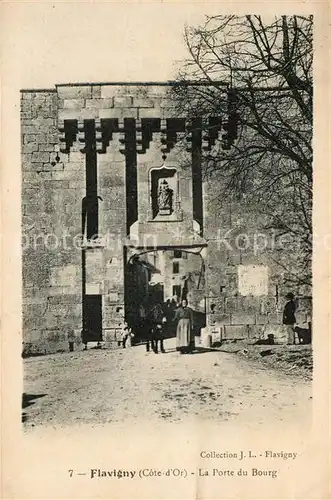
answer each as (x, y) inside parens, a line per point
(164, 198)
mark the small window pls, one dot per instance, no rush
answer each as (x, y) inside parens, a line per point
(176, 290)
(177, 254)
(175, 267)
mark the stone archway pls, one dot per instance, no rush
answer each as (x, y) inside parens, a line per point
(164, 276)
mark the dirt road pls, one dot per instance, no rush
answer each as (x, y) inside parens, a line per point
(104, 386)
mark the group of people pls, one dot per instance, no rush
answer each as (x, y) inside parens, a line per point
(157, 324)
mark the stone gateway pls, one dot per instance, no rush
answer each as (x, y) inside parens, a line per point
(116, 215)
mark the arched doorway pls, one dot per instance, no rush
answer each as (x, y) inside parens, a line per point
(164, 276)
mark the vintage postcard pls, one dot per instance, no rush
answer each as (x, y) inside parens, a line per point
(165, 240)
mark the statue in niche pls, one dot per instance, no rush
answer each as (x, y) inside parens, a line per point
(165, 198)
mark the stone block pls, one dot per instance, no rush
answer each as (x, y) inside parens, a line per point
(78, 184)
(119, 113)
(53, 335)
(29, 148)
(122, 101)
(112, 334)
(255, 331)
(29, 129)
(235, 332)
(54, 291)
(34, 316)
(140, 102)
(231, 304)
(76, 164)
(27, 95)
(48, 138)
(46, 148)
(42, 156)
(242, 319)
(73, 103)
(48, 167)
(69, 114)
(48, 112)
(261, 319)
(96, 91)
(56, 184)
(274, 318)
(74, 92)
(70, 175)
(32, 335)
(100, 103)
(27, 115)
(167, 103)
(268, 305)
(111, 178)
(76, 157)
(71, 299)
(28, 138)
(248, 304)
(65, 276)
(216, 304)
(28, 178)
(157, 90)
(219, 319)
(25, 105)
(150, 113)
(110, 90)
(43, 122)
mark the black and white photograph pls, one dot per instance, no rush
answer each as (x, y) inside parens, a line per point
(167, 168)
(167, 235)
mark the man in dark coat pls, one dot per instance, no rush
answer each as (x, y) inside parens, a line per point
(156, 319)
(289, 317)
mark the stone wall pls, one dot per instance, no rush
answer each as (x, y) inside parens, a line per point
(53, 186)
(236, 240)
(51, 202)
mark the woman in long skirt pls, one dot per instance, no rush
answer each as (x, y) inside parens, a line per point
(184, 332)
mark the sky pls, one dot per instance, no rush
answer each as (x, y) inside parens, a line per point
(48, 43)
(45, 42)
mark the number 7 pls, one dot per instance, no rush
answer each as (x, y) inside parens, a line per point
(71, 471)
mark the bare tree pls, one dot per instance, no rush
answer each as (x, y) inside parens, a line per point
(258, 74)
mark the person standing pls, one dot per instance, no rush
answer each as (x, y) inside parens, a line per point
(184, 331)
(289, 317)
(157, 323)
(125, 334)
(71, 339)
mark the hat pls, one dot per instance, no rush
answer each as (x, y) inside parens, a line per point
(289, 296)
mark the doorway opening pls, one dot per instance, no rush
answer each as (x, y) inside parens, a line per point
(164, 277)
(92, 318)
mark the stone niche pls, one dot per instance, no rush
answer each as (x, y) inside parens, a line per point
(164, 194)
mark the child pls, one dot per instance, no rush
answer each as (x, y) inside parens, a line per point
(127, 335)
(129, 338)
(71, 339)
(124, 334)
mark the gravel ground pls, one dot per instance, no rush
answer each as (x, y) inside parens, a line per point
(100, 386)
(296, 360)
